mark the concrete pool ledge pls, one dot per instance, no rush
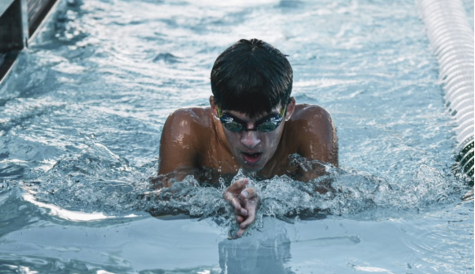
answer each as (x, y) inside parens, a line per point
(19, 20)
(451, 38)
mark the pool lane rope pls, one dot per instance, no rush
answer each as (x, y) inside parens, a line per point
(451, 39)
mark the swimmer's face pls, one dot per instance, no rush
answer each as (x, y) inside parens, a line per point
(253, 149)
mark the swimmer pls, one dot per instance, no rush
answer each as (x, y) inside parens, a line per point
(252, 124)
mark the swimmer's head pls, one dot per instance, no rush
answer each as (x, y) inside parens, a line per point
(251, 77)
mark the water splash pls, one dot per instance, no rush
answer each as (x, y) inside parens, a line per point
(97, 180)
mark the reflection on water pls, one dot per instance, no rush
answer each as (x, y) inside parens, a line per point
(258, 253)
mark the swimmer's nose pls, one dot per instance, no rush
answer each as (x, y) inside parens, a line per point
(250, 139)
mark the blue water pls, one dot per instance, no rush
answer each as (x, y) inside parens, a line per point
(82, 112)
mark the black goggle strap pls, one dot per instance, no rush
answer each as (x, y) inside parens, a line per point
(281, 117)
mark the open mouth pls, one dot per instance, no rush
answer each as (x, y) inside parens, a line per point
(251, 158)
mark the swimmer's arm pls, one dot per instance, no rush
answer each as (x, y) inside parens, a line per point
(319, 142)
(179, 148)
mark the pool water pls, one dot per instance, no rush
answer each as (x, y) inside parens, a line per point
(82, 112)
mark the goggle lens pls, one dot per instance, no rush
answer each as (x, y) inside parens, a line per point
(265, 126)
(233, 126)
(268, 126)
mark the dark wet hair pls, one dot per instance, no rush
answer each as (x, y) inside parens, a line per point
(251, 77)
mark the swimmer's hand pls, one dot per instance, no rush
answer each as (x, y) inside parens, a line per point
(245, 202)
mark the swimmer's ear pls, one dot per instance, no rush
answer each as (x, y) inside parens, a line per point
(290, 108)
(214, 107)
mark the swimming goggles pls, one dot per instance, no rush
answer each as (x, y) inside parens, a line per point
(265, 125)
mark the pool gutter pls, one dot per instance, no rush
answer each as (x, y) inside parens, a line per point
(451, 38)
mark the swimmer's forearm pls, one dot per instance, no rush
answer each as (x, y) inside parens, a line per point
(167, 180)
(179, 174)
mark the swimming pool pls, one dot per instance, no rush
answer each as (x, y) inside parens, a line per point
(82, 112)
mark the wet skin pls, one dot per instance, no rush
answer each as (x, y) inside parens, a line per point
(194, 142)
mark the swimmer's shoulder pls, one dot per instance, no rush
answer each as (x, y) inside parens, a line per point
(312, 114)
(311, 129)
(194, 117)
(190, 127)
(184, 138)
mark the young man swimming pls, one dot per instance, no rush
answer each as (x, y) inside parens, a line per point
(252, 124)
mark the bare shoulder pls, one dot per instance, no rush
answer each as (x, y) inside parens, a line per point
(311, 128)
(184, 137)
(187, 127)
(312, 114)
(190, 117)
